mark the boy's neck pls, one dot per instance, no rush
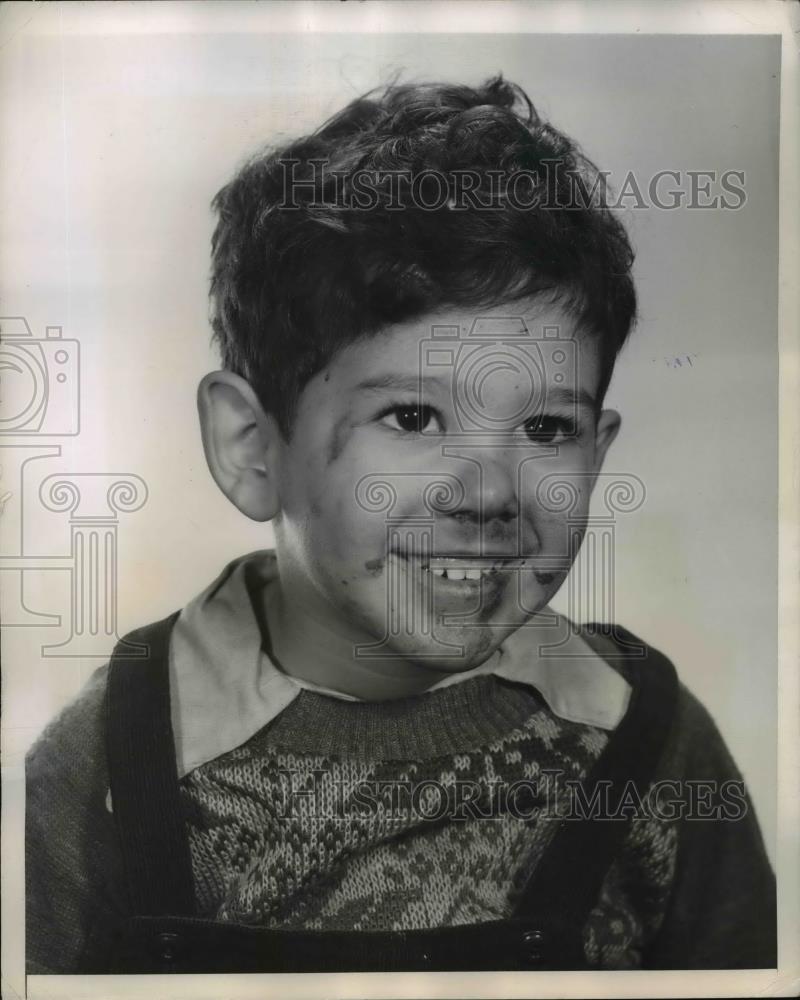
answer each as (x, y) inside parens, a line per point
(307, 643)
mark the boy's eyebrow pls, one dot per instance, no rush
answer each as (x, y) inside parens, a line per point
(569, 397)
(412, 383)
(403, 383)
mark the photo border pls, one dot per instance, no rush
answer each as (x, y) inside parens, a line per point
(562, 17)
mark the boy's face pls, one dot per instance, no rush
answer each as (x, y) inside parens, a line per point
(436, 481)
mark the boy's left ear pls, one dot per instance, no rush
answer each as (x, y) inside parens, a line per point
(607, 428)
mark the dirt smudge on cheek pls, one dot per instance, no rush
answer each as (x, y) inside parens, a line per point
(374, 566)
(338, 439)
(484, 646)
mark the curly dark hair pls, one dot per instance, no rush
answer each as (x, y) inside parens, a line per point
(347, 230)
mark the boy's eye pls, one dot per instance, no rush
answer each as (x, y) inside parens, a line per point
(412, 419)
(547, 429)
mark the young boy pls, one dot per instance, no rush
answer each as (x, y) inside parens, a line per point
(376, 748)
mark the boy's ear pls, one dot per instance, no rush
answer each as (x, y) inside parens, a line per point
(607, 428)
(241, 443)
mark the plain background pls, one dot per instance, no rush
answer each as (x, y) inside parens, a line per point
(116, 145)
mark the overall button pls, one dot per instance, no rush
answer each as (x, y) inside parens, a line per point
(168, 943)
(534, 944)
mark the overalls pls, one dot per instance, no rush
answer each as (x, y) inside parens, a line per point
(165, 933)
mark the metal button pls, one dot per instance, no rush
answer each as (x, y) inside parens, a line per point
(533, 946)
(168, 945)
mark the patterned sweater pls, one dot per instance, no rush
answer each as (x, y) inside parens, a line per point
(424, 812)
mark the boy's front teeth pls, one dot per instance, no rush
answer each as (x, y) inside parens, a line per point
(457, 574)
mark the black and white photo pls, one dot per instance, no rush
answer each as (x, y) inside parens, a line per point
(394, 493)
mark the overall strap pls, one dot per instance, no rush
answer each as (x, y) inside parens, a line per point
(567, 881)
(144, 778)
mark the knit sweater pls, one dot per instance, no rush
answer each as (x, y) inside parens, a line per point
(340, 815)
(333, 832)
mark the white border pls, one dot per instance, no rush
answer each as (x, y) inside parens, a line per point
(500, 16)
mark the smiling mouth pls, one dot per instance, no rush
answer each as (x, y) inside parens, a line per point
(467, 568)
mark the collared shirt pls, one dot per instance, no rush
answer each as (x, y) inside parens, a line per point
(225, 688)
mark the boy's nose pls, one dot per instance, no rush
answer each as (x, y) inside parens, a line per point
(489, 485)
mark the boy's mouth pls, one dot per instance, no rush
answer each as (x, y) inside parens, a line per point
(465, 568)
(456, 568)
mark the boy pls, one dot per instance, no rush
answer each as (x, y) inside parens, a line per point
(376, 747)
